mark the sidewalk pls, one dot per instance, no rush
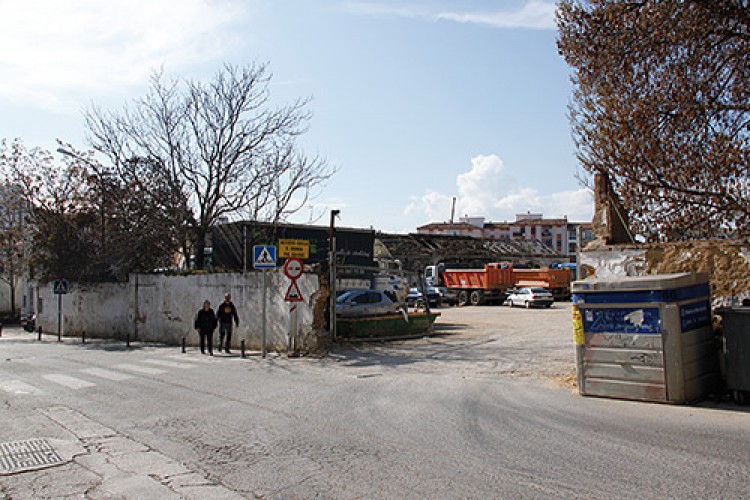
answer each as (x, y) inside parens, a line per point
(94, 461)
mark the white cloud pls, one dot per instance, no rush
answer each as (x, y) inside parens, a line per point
(478, 188)
(533, 14)
(487, 189)
(53, 47)
(432, 205)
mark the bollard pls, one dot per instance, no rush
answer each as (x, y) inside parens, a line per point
(183, 345)
(127, 341)
(40, 333)
(242, 348)
(83, 336)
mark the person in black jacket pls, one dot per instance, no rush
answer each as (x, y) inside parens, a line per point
(205, 323)
(225, 314)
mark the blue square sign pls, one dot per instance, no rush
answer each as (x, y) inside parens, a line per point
(264, 257)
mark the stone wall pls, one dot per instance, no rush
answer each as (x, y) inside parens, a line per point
(161, 308)
(727, 262)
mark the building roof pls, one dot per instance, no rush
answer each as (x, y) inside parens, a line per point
(415, 251)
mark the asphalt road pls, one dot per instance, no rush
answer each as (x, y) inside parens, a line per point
(479, 411)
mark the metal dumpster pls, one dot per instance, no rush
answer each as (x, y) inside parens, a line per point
(645, 338)
(736, 351)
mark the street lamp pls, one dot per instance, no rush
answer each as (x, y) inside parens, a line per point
(332, 271)
(100, 173)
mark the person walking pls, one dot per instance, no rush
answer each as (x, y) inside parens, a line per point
(225, 315)
(205, 323)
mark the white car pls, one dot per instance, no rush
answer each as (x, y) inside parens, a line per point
(529, 297)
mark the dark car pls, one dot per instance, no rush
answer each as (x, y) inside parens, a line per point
(530, 297)
(354, 303)
(415, 297)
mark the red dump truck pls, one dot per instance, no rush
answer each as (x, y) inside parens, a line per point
(492, 283)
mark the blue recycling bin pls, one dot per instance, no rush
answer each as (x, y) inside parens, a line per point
(645, 338)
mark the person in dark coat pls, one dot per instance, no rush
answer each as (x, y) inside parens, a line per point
(225, 314)
(205, 323)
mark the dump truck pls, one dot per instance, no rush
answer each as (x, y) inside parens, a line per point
(489, 284)
(492, 283)
(557, 281)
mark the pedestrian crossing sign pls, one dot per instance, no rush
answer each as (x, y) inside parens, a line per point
(60, 287)
(264, 257)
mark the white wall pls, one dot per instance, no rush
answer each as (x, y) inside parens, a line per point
(160, 308)
(615, 262)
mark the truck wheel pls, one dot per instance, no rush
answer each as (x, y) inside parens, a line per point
(476, 298)
(463, 298)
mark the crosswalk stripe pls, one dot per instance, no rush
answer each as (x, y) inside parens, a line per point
(139, 369)
(191, 359)
(107, 374)
(67, 381)
(18, 387)
(167, 364)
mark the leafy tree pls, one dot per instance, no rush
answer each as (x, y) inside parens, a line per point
(219, 143)
(87, 224)
(662, 105)
(14, 234)
(57, 215)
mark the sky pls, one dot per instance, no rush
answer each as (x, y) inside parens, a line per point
(415, 102)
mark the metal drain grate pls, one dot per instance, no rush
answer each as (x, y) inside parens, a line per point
(30, 454)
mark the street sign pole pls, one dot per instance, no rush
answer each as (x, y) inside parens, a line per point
(59, 317)
(265, 295)
(264, 257)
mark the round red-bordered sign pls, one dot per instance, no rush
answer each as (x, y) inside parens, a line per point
(293, 268)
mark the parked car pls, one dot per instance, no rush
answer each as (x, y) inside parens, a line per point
(353, 303)
(416, 297)
(530, 297)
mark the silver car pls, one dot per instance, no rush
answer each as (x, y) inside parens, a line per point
(529, 297)
(355, 303)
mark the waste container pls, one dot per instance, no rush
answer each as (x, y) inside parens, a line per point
(645, 338)
(736, 351)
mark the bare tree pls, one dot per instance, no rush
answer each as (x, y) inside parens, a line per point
(662, 105)
(221, 143)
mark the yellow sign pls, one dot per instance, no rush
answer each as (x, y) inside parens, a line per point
(294, 249)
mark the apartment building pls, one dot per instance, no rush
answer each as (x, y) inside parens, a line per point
(559, 235)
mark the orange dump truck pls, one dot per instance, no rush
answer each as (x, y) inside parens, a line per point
(479, 286)
(557, 281)
(491, 283)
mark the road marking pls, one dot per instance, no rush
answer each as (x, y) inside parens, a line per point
(108, 374)
(70, 382)
(18, 387)
(139, 369)
(168, 364)
(186, 358)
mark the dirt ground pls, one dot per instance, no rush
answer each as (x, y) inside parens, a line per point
(487, 341)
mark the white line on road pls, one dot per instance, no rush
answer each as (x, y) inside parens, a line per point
(70, 382)
(187, 358)
(18, 387)
(168, 364)
(108, 374)
(139, 369)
